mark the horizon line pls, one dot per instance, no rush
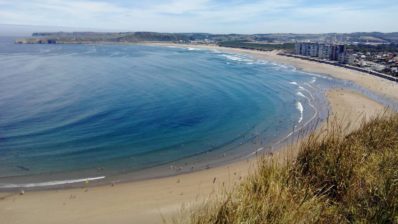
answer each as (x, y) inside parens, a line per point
(96, 30)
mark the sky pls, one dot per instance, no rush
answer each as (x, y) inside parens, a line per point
(213, 16)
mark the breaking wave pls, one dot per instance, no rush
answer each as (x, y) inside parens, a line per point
(51, 183)
(300, 108)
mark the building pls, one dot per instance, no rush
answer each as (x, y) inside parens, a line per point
(338, 52)
(307, 49)
(346, 56)
(333, 52)
(394, 70)
(325, 51)
(313, 50)
(351, 58)
(297, 48)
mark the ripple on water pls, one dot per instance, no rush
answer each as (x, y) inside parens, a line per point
(126, 108)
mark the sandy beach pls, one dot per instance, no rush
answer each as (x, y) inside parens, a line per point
(151, 201)
(373, 83)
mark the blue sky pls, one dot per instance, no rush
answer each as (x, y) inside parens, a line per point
(215, 16)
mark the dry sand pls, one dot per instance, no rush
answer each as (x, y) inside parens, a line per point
(351, 109)
(150, 200)
(136, 202)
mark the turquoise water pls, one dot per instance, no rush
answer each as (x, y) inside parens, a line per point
(95, 111)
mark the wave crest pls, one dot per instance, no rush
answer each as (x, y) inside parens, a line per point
(51, 183)
(300, 108)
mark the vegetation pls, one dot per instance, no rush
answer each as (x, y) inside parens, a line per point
(374, 48)
(89, 37)
(257, 46)
(82, 37)
(335, 178)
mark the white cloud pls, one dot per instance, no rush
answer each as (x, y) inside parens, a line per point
(179, 7)
(201, 15)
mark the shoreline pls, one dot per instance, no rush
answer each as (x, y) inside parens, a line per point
(145, 201)
(363, 70)
(376, 84)
(207, 160)
(169, 170)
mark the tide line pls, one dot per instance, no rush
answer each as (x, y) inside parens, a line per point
(51, 183)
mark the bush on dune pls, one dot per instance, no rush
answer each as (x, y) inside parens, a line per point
(335, 178)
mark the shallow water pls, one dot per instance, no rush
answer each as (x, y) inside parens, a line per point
(101, 110)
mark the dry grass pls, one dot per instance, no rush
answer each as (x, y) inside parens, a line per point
(335, 178)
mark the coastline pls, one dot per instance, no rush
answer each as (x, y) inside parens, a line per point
(239, 148)
(376, 84)
(145, 201)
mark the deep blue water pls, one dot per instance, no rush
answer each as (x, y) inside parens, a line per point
(69, 108)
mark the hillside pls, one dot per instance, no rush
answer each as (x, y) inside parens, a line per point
(335, 178)
(83, 37)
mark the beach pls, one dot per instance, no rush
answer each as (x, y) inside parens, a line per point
(373, 83)
(151, 201)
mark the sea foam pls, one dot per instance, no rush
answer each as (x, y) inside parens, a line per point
(301, 94)
(237, 58)
(193, 49)
(300, 108)
(51, 183)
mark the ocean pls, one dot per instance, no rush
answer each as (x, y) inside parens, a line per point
(76, 113)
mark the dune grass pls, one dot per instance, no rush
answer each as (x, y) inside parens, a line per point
(335, 178)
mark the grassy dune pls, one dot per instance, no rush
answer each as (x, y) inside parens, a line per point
(335, 178)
